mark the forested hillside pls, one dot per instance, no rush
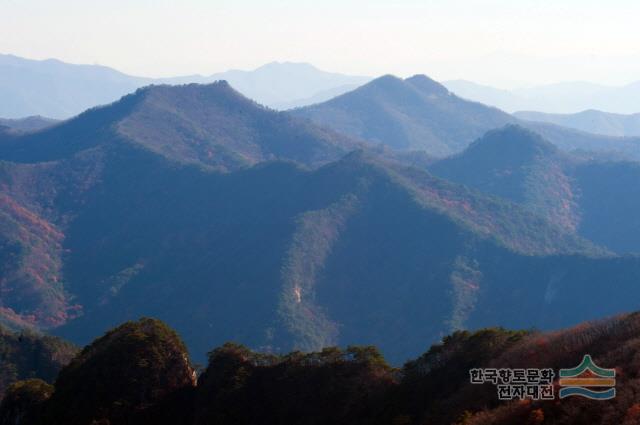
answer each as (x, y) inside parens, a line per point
(237, 222)
(27, 355)
(140, 373)
(596, 197)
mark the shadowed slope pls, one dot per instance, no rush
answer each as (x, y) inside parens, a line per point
(593, 197)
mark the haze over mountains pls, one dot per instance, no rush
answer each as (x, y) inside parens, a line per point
(25, 125)
(287, 85)
(55, 89)
(559, 98)
(590, 121)
(418, 113)
(228, 220)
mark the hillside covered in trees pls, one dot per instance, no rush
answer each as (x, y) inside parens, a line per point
(231, 221)
(596, 197)
(139, 373)
(26, 355)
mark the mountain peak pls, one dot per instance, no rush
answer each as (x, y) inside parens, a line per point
(211, 125)
(222, 85)
(384, 81)
(215, 92)
(516, 164)
(424, 83)
(514, 139)
(413, 114)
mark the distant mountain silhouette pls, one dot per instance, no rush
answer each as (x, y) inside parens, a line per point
(420, 114)
(591, 121)
(498, 98)
(27, 124)
(318, 97)
(283, 85)
(55, 89)
(598, 199)
(559, 98)
(60, 90)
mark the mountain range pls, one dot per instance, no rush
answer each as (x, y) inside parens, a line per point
(418, 113)
(558, 98)
(59, 90)
(229, 220)
(590, 121)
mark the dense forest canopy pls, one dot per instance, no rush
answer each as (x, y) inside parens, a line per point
(140, 373)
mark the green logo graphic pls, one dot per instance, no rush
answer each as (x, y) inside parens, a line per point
(580, 380)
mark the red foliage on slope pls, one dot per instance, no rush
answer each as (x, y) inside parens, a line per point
(30, 284)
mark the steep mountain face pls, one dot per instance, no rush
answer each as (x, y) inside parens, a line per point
(593, 197)
(138, 373)
(183, 204)
(28, 355)
(591, 121)
(420, 114)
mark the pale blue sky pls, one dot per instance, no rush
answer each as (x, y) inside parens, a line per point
(501, 42)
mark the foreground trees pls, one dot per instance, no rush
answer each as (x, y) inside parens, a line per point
(139, 373)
